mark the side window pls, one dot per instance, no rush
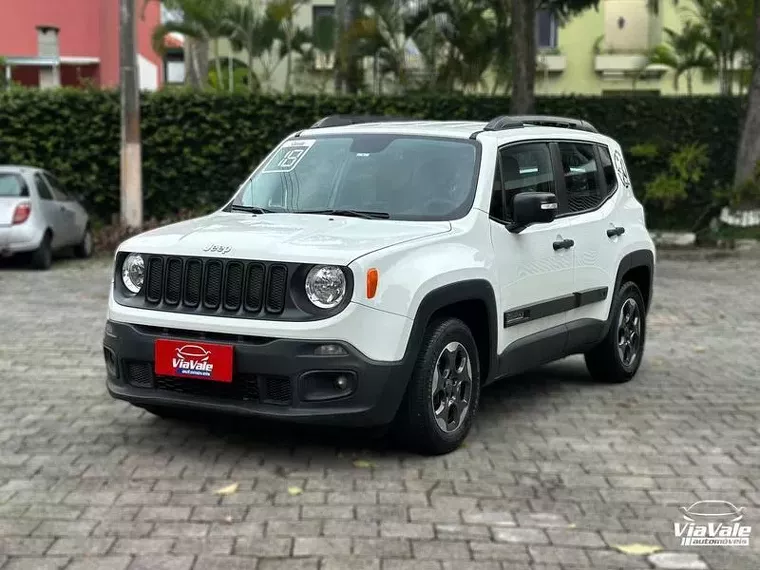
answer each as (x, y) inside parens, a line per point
(42, 187)
(496, 210)
(58, 193)
(580, 171)
(525, 168)
(609, 169)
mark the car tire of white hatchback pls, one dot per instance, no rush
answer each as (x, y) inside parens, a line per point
(618, 356)
(443, 394)
(42, 257)
(83, 249)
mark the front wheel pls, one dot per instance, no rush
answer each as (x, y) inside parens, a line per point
(444, 390)
(617, 358)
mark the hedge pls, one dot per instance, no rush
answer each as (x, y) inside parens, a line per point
(198, 146)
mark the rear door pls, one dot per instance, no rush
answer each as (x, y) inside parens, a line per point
(51, 210)
(71, 216)
(590, 186)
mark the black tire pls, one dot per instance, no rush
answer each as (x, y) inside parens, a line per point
(83, 249)
(605, 362)
(42, 257)
(416, 425)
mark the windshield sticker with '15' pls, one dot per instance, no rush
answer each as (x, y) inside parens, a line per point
(289, 155)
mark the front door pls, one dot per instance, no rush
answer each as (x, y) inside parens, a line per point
(535, 266)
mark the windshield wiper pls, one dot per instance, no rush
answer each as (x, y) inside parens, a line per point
(250, 209)
(366, 214)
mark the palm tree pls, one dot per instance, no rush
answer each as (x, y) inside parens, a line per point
(684, 52)
(722, 34)
(283, 12)
(204, 21)
(244, 28)
(316, 48)
(462, 39)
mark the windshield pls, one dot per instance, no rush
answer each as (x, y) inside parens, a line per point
(12, 185)
(396, 176)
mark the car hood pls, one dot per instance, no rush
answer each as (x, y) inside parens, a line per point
(298, 238)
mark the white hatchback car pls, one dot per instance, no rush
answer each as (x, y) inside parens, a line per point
(379, 272)
(38, 218)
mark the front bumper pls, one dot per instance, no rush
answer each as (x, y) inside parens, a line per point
(272, 377)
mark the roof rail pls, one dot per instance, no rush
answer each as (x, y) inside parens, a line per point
(342, 120)
(515, 121)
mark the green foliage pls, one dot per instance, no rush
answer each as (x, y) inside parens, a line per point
(199, 146)
(643, 150)
(687, 166)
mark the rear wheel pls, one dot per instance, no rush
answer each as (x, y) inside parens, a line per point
(444, 391)
(618, 357)
(84, 248)
(42, 257)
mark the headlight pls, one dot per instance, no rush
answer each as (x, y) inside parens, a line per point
(326, 286)
(133, 272)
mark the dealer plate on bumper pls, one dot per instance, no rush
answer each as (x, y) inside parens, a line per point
(199, 360)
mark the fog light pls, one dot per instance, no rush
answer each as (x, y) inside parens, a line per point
(329, 350)
(111, 368)
(341, 383)
(322, 385)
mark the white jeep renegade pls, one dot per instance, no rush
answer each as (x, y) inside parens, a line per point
(375, 272)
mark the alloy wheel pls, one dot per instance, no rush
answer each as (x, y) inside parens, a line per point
(451, 387)
(629, 332)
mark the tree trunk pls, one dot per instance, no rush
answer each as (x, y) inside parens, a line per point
(288, 60)
(353, 71)
(689, 83)
(250, 72)
(196, 62)
(749, 143)
(523, 57)
(217, 63)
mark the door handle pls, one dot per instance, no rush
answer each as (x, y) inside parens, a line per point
(563, 244)
(613, 232)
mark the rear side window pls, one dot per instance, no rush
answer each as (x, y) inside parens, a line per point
(12, 185)
(42, 188)
(609, 169)
(581, 176)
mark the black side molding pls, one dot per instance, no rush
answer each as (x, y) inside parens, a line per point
(554, 306)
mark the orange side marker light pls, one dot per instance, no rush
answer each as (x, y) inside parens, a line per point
(371, 283)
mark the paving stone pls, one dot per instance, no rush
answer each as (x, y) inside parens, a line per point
(100, 563)
(162, 562)
(84, 476)
(520, 535)
(677, 561)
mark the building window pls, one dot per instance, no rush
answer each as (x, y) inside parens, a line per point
(546, 29)
(318, 12)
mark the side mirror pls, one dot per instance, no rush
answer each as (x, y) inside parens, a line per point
(533, 208)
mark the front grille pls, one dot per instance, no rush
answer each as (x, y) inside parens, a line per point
(216, 286)
(243, 388)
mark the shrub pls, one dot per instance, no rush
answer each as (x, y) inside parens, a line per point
(199, 146)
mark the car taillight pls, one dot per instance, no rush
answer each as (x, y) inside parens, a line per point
(21, 213)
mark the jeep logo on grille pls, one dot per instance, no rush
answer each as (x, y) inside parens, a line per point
(214, 248)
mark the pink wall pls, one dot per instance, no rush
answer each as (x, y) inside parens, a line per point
(88, 28)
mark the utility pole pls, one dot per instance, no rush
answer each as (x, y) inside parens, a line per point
(131, 149)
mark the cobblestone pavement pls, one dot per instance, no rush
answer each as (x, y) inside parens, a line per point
(557, 473)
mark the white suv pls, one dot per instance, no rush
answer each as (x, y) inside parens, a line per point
(377, 272)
